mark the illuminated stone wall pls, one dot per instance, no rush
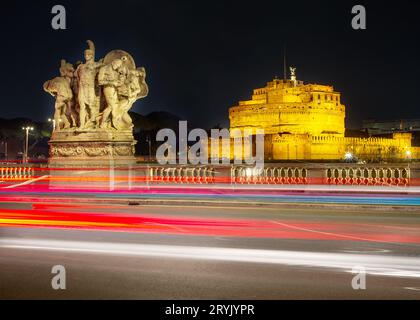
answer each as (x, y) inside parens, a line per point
(300, 147)
(306, 122)
(292, 147)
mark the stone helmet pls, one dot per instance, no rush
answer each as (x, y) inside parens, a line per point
(91, 48)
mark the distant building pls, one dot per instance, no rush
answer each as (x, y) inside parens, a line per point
(375, 127)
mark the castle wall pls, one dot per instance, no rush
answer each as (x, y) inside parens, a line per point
(306, 122)
(290, 147)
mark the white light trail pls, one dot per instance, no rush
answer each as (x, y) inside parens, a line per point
(380, 265)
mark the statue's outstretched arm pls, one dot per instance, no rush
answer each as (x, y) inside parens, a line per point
(46, 88)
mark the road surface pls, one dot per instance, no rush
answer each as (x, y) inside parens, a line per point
(122, 251)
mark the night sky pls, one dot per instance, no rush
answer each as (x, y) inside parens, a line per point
(202, 57)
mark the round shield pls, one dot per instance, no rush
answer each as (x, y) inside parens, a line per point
(118, 54)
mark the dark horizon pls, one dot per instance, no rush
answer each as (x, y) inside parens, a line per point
(202, 58)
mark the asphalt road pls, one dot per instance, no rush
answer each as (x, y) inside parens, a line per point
(117, 251)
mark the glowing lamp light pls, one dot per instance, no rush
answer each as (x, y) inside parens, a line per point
(53, 120)
(348, 156)
(249, 172)
(253, 172)
(408, 153)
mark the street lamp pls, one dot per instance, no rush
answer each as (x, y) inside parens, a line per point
(53, 122)
(348, 156)
(4, 143)
(149, 141)
(26, 129)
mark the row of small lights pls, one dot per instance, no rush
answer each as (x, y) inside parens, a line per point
(349, 156)
(32, 128)
(27, 128)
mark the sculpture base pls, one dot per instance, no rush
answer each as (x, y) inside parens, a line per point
(88, 148)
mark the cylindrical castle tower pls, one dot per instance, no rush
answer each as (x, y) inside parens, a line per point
(291, 107)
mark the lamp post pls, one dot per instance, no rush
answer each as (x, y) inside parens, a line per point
(149, 141)
(54, 122)
(26, 129)
(4, 143)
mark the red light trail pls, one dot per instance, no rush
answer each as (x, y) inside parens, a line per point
(75, 216)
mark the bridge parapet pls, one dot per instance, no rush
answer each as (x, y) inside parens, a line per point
(17, 172)
(182, 174)
(398, 176)
(285, 174)
(269, 175)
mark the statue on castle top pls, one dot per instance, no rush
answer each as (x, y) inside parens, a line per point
(292, 72)
(293, 75)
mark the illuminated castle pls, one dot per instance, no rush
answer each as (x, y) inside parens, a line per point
(306, 122)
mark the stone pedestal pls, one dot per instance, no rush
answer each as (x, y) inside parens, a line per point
(99, 147)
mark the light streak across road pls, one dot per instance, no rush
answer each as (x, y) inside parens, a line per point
(373, 264)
